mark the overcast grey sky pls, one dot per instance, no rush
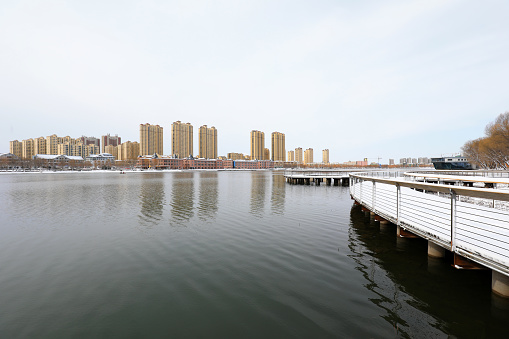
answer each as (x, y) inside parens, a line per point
(362, 78)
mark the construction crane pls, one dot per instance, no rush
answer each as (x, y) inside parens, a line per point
(377, 160)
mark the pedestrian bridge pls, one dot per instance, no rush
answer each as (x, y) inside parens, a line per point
(472, 222)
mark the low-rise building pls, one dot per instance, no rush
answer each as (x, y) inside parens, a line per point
(102, 159)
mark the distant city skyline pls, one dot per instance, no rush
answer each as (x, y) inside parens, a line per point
(151, 142)
(367, 79)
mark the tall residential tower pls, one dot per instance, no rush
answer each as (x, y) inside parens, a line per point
(257, 145)
(151, 139)
(298, 155)
(207, 142)
(278, 147)
(181, 139)
(308, 156)
(325, 156)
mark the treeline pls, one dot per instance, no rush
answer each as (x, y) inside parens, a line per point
(492, 150)
(9, 164)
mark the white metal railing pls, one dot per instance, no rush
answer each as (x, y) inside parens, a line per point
(441, 214)
(475, 173)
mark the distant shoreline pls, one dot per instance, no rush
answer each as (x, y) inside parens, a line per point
(135, 171)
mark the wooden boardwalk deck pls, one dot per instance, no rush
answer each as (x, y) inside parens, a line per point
(460, 219)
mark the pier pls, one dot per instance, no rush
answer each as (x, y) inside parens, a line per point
(447, 211)
(316, 177)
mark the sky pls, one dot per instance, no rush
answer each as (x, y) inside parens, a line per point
(365, 79)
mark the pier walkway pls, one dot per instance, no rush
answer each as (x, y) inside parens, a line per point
(471, 222)
(329, 177)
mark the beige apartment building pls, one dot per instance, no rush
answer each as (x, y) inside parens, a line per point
(298, 155)
(151, 139)
(278, 146)
(40, 145)
(325, 156)
(77, 149)
(111, 149)
(235, 156)
(308, 156)
(16, 148)
(257, 145)
(181, 139)
(291, 156)
(128, 150)
(207, 140)
(53, 145)
(52, 142)
(27, 149)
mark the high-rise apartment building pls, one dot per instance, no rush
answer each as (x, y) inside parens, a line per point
(27, 149)
(89, 141)
(107, 140)
(128, 150)
(40, 145)
(257, 145)
(298, 155)
(291, 156)
(151, 139)
(70, 148)
(207, 142)
(52, 142)
(278, 146)
(325, 156)
(113, 150)
(181, 139)
(308, 156)
(16, 148)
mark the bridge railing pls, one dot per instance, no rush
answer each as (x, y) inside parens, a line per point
(449, 216)
(480, 173)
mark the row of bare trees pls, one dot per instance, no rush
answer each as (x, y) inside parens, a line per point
(492, 150)
(36, 164)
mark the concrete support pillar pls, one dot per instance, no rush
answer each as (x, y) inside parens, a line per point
(500, 284)
(384, 228)
(435, 250)
(317, 181)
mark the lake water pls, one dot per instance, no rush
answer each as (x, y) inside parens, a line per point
(220, 255)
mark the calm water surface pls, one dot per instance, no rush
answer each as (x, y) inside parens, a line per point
(217, 255)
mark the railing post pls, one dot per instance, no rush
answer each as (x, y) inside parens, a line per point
(398, 203)
(374, 195)
(360, 181)
(453, 220)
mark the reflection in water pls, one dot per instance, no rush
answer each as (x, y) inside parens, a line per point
(389, 295)
(208, 200)
(258, 181)
(277, 198)
(182, 197)
(152, 198)
(400, 275)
